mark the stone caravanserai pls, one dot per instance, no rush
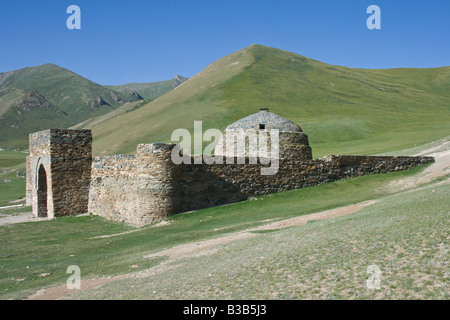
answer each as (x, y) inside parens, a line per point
(63, 178)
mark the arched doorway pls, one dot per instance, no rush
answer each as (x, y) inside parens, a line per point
(42, 192)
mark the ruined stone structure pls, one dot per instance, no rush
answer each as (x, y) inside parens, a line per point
(58, 172)
(293, 143)
(64, 179)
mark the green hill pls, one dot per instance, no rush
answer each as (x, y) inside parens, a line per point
(343, 110)
(48, 96)
(149, 90)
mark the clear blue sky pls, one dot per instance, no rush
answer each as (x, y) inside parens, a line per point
(153, 40)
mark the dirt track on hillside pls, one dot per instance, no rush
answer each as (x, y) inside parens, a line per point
(199, 248)
(440, 168)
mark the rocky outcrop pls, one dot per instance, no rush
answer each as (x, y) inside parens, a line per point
(33, 99)
(178, 80)
(97, 102)
(116, 98)
(135, 96)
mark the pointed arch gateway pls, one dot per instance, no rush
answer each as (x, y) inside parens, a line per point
(42, 190)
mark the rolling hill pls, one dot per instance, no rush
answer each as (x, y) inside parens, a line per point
(48, 96)
(343, 110)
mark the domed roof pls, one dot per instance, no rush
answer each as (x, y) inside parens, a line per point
(264, 120)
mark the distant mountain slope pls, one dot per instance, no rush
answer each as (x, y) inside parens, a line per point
(343, 110)
(48, 96)
(150, 90)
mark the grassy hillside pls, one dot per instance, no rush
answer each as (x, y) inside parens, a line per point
(403, 235)
(12, 185)
(149, 90)
(343, 110)
(48, 96)
(80, 241)
(125, 108)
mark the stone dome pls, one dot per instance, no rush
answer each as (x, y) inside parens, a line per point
(292, 142)
(265, 120)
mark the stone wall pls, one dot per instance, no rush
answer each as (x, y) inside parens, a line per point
(137, 189)
(202, 186)
(142, 188)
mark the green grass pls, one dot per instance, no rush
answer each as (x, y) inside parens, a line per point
(29, 249)
(127, 107)
(437, 146)
(405, 235)
(9, 159)
(11, 186)
(343, 110)
(15, 210)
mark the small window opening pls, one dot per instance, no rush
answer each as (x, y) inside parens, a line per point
(262, 126)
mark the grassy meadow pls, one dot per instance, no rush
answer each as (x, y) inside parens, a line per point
(12, 187)
(29, 250)
(404, 235)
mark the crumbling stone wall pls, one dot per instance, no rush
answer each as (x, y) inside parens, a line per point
(202, 186)
(138, 188)
(58, 172)
(142, 188)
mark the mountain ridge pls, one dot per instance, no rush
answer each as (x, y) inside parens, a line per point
(149, 90)
(343, 110)
(50, 96)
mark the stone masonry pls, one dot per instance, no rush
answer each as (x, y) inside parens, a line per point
(59, 172)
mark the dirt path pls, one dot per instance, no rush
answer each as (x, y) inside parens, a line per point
(204, 247)
(18, 218)
(328, 214)
(440, 168)
(61, 291)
